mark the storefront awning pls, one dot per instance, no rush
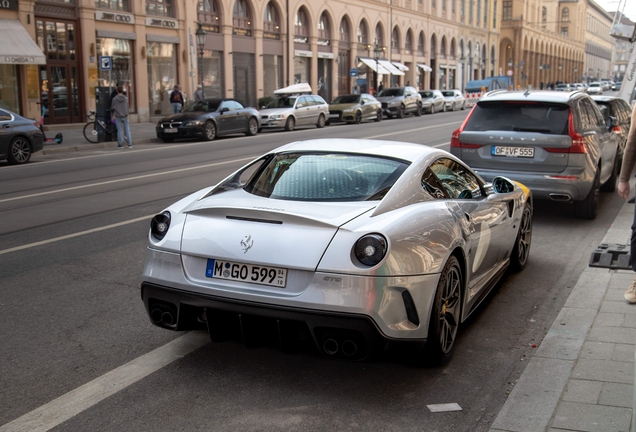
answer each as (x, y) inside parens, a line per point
(162, 39)
(401, 66)
(17, 46)
(424, 67)
(116, 35)
(374, 66)
(303, 53)
(392, 69)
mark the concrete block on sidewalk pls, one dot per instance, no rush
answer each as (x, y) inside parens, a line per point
(591, 418)
(604, 319)
(590, 289)
(583, 391)
(623, 335)
(618, 307)
(604, 370)
(618, 395)
(623, 353)
(597, 350)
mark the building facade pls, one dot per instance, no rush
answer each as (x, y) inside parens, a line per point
(82, 48)
(622, 52)
(599, 45)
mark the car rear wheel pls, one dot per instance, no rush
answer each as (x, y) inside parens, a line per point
(610, 184)
(321, 121)
(358, 118)
(588, 208)
(445, 315)
(252, 128)
(521, 250)
(378, 116)
(432, 109)
(290, 124)
(400, 113)
(19, 151)
(209, 130)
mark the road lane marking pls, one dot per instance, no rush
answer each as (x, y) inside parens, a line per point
(77, 234)
(126, 179)
(82, 398)
(441, 145)
(412, 130)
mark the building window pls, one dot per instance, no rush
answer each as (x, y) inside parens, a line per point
(160, 8)
(242, 17)
(344, 30)
(378, 38)
(478, 12)
(485, 14)
(123, 67)
(395, 41)
(120, 5)
(544, 15)
(564, 31)
(324, 27)
(470, 11)
(452, 50)
(453, 6)
(408, 42)
(420, 44)
(507, 11)
(271, 22)
(363, 34)
(494, 15)
(565, 14)
(300, 23)
(443, 5)
(442, 48)
(433, 4)
(208, 12)
(463, 9)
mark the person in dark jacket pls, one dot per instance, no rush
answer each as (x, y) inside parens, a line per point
(119, 106)
(176, 99)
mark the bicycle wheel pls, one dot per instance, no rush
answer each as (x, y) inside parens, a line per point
(90, 132)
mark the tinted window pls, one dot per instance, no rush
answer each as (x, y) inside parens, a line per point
(426, 94)
(458, 182)
(520, 116)
(284, 102)
(346, 99)
(391, 92)
(4, 116)
(326, 177)
(448, 93)
(208, 105)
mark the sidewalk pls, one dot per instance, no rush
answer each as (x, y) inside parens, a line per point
(582, 375)
(74, 141)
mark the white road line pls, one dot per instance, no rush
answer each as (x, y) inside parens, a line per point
(77, 234)
(82, 398)
(412, 130)
(441, 145)
(127, 179)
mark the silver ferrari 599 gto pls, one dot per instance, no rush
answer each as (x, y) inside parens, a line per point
(348, 246)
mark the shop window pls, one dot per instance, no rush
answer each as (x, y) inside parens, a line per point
(120, 5)
(160, 8)
(395, 41)
(208, 13)
(122, 73)
(242, 16)
(363, 34)
(565, 14)
(301, 23)
(9, 88)
(162, 75)
(271, 21)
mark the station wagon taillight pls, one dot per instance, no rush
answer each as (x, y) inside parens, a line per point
(455, 142)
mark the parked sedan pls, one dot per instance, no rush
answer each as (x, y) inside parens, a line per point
(454, 100)
(208, 119)
(355, 108)
(19, 138)
(341, 246)
(433, 101)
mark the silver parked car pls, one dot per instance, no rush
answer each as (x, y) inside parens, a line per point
(293, 107)
(595, 88)
(400, 101)
(337, 245)
(433, 101)
(454, 100)
(557, 144)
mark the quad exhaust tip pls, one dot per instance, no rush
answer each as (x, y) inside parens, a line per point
(163, 318)
(349, 348)
(330, 346)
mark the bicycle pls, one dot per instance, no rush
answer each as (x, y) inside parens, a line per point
(91, 129)
(58, 138)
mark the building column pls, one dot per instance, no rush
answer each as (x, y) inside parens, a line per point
(313, 44)
(228, 61)
(335, 78)
(258, 63)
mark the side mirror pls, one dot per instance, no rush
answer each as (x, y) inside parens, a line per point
(361, 102)
(502, 185)
(300, 105)
(224, 109)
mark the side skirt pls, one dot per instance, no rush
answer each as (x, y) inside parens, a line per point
(483, 293)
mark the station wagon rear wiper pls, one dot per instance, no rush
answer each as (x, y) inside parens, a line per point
(522, 129)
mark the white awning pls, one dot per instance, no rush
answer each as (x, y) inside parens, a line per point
(424, 67)
(389, 66)
(375, 66)
(303, 53)
(401, 66)
(17, 46)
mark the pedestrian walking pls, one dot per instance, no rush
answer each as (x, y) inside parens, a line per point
(629, 160)
(119, 107)
(176, 99)
(198, 95)
(380, 87)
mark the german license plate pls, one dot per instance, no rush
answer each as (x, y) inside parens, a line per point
(334, 115)
(262, 275)
(522, 152)
(170, 130)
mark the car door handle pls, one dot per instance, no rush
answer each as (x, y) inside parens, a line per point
(6, 126)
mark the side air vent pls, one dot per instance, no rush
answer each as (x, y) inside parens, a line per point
(409, 305)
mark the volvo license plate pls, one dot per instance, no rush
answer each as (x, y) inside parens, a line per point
(522, 152)
(263, 275)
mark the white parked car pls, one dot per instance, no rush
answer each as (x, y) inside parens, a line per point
(595, 88)
(295, 106)
(454, 100)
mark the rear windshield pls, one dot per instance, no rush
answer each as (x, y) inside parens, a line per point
(522, 117)
(325, 177)
(346, 99)
(391, 92)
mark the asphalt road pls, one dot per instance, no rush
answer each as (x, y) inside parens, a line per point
(72, 248)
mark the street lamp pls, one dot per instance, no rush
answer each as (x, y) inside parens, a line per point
(377, 50)
(201, 35)
(560, 68)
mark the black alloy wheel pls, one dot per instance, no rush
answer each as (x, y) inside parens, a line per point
(521, 250)
(252, 128)
(19, 151)
(588, 207)
(378, 116)
(358, 118)
(209, 130)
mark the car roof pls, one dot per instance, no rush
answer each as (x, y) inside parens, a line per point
(393, 149)
(601, 98)
(531, 96)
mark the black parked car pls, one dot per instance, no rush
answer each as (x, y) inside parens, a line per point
(19, 138)
(208, 119)
(621, 111)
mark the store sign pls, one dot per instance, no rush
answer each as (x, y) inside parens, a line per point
(115, 17)
(163, 23)
(242, 32)
(212, 28)
(299, 39)
(25, 60)
(323, 42)
(267, 35)
(9, 4)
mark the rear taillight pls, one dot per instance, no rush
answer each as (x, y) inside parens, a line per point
(617, 129)
(579, 145)
(455, 142)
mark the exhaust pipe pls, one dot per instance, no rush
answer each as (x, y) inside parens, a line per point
(155, 316)
(167, 319)
(560, 197)
(349, 348)
(330, 346)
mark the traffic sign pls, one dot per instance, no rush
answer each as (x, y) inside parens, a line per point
(509, 72)
(353, 72)
(105, 62)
